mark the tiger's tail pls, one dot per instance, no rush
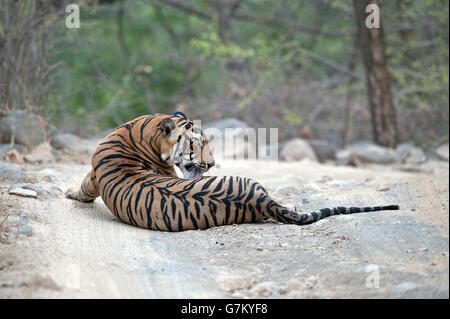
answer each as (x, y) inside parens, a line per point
(287, 216)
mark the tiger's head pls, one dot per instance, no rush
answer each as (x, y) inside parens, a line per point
(185, 145)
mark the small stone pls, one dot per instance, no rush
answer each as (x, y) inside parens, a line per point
(238, 295)
(43, 189)
(264, 289)
(22, 192)
(17, 224)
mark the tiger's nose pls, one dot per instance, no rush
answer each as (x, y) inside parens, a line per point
(205, 166)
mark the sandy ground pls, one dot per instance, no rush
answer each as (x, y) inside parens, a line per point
(82, 251)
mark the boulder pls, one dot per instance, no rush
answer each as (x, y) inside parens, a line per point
(11, 172)
(443, 152)
(14, 156)
(323, 150)
(5, 148)
(297, 150)
(12, 152)
(73, 143)
(24, 128)
(41, 154)
(410, 154)
(366, 152)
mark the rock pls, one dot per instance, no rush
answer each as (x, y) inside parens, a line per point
(45, 190)
(297, 150)
(16, 225)
(51, 129)
(14, 156)
(12, 172)
(41, 154)
(73, 143)
(383, 188)
(366, 152)
(323, 150)
(22, 192)
(5, 148)
(443, 152)
(264, 289)
(26, 129)
(238, 295)
(410, 154)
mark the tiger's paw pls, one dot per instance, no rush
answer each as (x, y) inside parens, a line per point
(76, 194)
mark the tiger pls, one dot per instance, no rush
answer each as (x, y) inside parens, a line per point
(133, 172)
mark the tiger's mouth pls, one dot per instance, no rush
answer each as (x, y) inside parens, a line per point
(192, 171)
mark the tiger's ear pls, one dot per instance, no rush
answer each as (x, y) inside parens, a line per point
(167, 125)
(179, 114)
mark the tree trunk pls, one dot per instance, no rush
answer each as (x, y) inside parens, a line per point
(378, 78)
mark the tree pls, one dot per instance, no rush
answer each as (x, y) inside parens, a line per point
(378, 78)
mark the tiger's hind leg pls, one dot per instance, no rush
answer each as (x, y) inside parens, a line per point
(88, 191)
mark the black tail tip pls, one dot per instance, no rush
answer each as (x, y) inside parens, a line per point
(392, 207)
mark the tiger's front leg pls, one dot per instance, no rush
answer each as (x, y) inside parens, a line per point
(88, 191)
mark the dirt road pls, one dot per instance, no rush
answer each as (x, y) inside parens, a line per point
(75, 250)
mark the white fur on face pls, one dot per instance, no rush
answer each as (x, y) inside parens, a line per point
(180, 154)
(164, 157)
